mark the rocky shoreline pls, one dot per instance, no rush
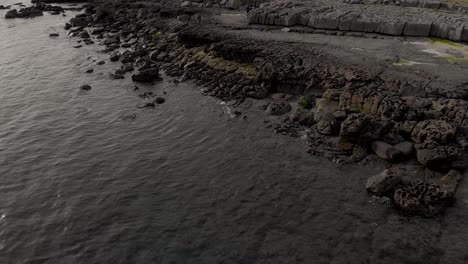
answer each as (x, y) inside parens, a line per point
(350, 113)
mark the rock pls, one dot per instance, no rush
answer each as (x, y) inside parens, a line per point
(278, 108)
(147, 104)
(307, 101)
(386, 151)
(327, 125)
(77, 46)
(185, 4)
(433, 131)
(383, 183)
(90, 70)
(101, 62)
(116, 75)
(85, 87)
(434, 158)
(233, 4)
(2, 7)
(303, 116)
(160, 100)
(148, 75)
(114, 56)
(406, 148)
(422, 198)
(54, 35)
(325, 106)
(68, 26)
(84, 34)
(449, 182)
(11, 14)
(127, 67)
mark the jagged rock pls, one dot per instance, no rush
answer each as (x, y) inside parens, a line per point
(328, 125)
(406, 148)
(11, 14)
(234, 4)
(303, 116)
(118, 74)
(280, 108)
(185, 4)
(324, 107)
(435, 158)
(159, 100)
(382, 183)
(433, 131)
(84, 34)
(386, 151)
(449, 182)
(85, 87)
(114, 56)
(307, 101)
(127, 67)
(422, 198)
(148, 75)
(351, 129)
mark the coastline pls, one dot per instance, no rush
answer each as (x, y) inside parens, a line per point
(350, 109)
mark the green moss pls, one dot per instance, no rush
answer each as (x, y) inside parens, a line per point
(402, 62)
(157, 34)
(445, 41)
(200, 54)
(248, 69)
(306, 102)
(216, 59)
(455, 59)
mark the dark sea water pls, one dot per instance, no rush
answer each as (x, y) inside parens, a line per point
(88, 177)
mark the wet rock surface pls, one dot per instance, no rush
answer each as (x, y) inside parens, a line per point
(33, 11)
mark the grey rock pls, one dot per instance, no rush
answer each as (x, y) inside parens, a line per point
(280, 108)
(386, 151)
(383, 182)
(406, 148)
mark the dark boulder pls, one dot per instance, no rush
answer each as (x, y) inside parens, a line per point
(85, 87)
(160, 100)
(11, 14)
(148, 75)
(114, 56)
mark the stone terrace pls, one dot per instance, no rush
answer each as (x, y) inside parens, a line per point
(362, 16)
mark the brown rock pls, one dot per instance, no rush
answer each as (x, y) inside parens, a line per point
(386, 151)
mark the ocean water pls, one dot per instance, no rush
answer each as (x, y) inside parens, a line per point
(88, 177)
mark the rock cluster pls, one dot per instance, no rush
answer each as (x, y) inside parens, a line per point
(34, 11)
(357, 113)
(356, 17)
(415, 192)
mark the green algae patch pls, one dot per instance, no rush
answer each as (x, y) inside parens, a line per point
(453, 59)
(306, 102)
(216, 59)
(200, 54)
(446, 41)
(249, 69)
(157, 34)
(402, 62)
